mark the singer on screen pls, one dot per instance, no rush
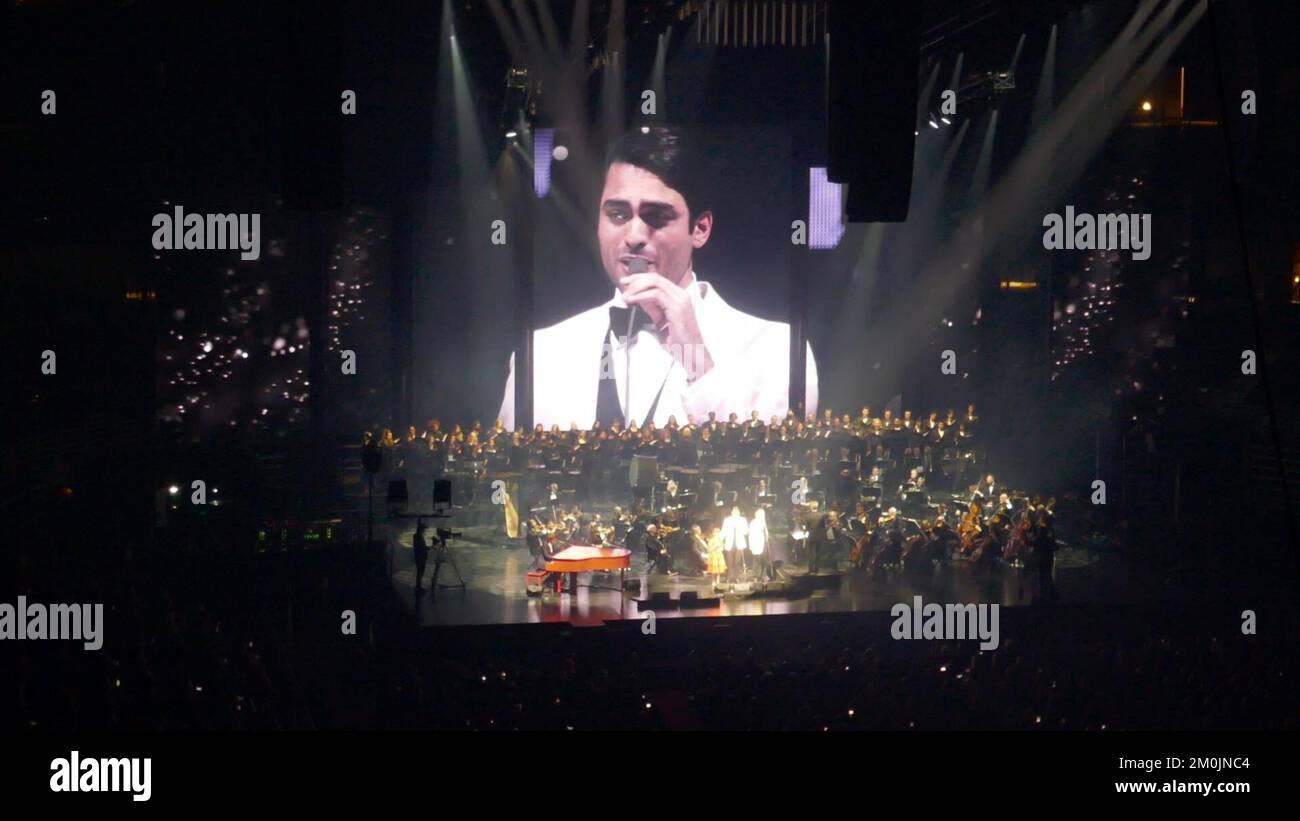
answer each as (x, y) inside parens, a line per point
(665, 344)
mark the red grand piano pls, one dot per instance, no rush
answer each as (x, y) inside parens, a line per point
(582, 558)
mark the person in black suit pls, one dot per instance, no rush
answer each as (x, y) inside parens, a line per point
(656, 554)
(822, 544)
(421, 553)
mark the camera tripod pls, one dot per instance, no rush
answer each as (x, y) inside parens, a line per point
(443, 553)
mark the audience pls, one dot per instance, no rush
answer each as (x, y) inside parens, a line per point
(260, 648)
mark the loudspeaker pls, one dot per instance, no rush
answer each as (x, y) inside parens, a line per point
(692, 600)
(442, 493)
(872, 95)
(397, 492)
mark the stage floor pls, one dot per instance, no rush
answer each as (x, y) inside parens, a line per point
(494, 568)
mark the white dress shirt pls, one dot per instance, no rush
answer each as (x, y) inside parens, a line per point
(734, 532)
(751, 367)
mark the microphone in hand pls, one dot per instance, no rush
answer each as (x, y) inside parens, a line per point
(636, 266)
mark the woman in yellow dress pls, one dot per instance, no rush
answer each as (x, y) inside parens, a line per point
(716, 564)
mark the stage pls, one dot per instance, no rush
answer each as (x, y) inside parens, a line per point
(495, 568)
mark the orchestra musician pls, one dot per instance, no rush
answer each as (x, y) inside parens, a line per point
(823, 542)
(916, 549)
(860, 529)
(970, 529)
(657, 555)
(891, 543)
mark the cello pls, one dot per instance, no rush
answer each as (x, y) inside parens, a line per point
(969, 530)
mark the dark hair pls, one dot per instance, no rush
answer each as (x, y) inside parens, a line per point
(673, 156)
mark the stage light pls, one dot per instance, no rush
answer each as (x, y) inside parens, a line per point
(825, 210)
(511, 134)
(173, 490)
(933, 124)
(645, 129)
(1146, 105)
(561, 153)
(946, 121)
(543, 138)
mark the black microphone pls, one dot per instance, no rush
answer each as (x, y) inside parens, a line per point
(636, 266)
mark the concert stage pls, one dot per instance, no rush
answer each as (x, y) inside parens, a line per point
(495, 571)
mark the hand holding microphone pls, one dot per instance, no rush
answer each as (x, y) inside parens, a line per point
(670, 308)
(635, 266)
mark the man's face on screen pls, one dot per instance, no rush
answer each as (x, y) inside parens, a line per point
(640, 216)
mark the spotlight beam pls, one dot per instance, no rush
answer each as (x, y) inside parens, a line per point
(549, 31)
(954, 82)
(518, 53)
(927, 92)
(1015, 58)
(532, 38)
(984, 165)
(1050, 162)
(1046, 81)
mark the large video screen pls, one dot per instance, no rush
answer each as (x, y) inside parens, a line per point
(662, 280)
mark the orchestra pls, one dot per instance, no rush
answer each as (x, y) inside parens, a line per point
(716, 486)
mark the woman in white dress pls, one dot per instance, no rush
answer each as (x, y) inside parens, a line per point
(758, 540)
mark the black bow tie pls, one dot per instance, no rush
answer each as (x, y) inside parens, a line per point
(618, 318)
